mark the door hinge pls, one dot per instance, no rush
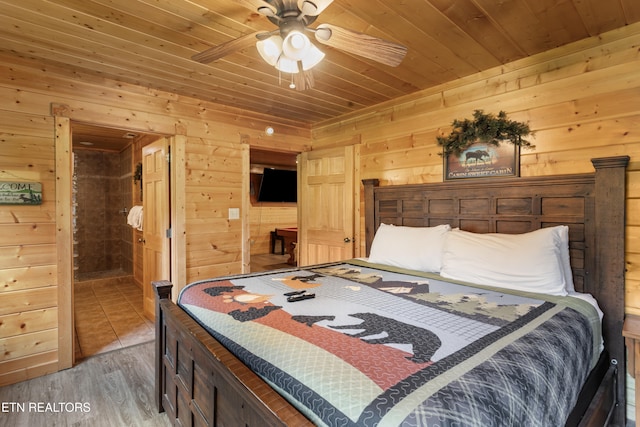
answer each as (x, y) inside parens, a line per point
(168, 157)
(169, 233)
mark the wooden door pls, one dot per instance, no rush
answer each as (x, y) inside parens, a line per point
(156, 214)
(326, 205)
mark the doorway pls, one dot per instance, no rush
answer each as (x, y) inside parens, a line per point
(108, 307)
(272, 207)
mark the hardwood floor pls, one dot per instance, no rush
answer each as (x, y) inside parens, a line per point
(113, 381)
(111, 389)
(266, 262)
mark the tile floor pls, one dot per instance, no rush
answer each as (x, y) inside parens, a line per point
(108, 315)
(108, 310)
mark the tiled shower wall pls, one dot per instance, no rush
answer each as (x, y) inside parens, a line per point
(102, 238)
(126, 190)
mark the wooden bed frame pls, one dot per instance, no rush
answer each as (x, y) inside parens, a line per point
(199, 382)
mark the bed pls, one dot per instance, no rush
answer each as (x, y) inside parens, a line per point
(200, 380)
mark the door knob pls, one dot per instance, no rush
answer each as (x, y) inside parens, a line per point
(347, 240)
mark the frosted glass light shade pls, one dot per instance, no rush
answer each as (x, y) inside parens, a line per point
(285, 54)
(296, 45)
(312, 58)
(270, 49)
(287, 65)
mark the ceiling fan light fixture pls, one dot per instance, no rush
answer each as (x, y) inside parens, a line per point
(296, 45)
(289, 49)
(312, 58)
(287, 65)
(270, 49)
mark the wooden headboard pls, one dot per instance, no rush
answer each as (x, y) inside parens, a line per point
(592, 205)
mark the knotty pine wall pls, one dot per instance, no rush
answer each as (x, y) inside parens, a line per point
(582, 100)
(28, 286)
(212, 145)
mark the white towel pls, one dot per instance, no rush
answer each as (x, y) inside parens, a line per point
(134, 218)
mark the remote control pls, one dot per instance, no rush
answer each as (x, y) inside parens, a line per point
(290, 294)
(301, 297)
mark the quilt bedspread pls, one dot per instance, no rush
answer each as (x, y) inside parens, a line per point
(389, 347)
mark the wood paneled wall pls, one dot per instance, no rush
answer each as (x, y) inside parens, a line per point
(28, 272)
(582, 100)
(211, 143)
(214, 179)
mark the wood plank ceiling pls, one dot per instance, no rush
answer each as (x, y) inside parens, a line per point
(150, 43)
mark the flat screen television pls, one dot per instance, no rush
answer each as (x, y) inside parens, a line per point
(278, 185)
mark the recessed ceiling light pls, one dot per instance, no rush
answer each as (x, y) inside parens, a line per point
(269, 131)
(87, 143)
(130, 135)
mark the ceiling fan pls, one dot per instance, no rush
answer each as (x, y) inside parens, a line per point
(289, 49)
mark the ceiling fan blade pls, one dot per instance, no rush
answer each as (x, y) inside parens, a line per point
(255, 5)
(224, 49)
(313, 7)
(383, 51)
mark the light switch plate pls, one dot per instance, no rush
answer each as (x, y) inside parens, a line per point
(234, 213)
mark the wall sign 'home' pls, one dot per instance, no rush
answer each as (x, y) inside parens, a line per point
(20, 193)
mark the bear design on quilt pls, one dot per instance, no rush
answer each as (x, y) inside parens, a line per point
(425, 343)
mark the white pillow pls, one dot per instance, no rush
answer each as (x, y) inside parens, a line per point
(531, 262)
(565, 259)
(415, 248)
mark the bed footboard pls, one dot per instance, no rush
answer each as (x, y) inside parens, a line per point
(199, 382)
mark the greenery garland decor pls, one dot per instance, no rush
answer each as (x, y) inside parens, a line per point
(486, 128)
